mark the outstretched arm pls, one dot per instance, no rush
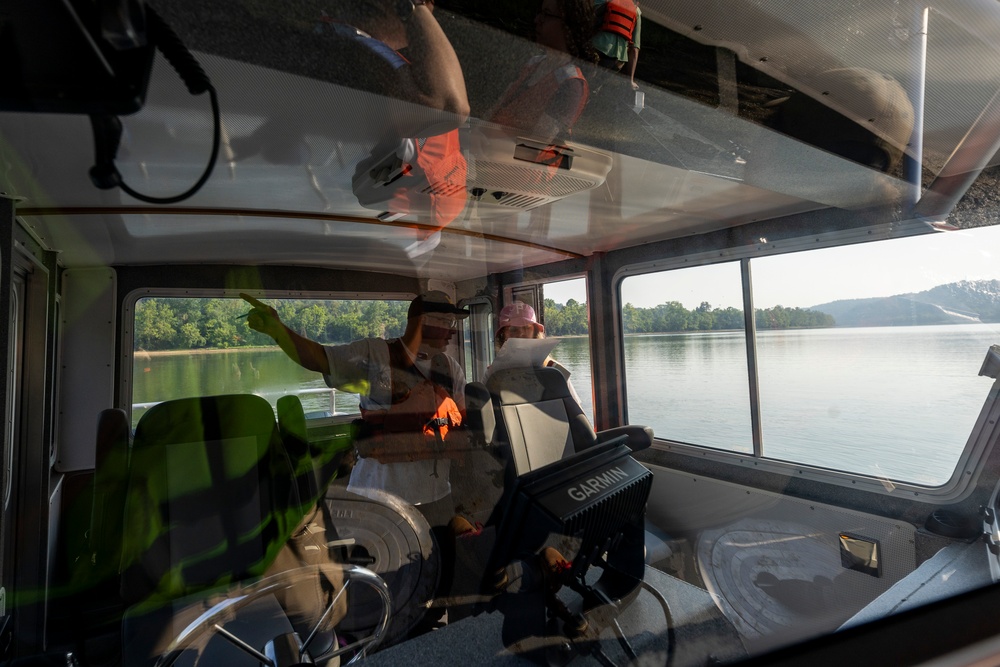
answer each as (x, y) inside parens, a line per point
(434, 71)
(432, 83)
(307, 353)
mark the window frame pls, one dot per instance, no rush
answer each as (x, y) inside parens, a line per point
(481, 342)
(132, 298)
(970, 462)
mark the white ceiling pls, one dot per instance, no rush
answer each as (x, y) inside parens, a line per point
(282, 191)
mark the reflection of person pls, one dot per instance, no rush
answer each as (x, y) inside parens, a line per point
(551, 91)
(411, 395)
(618, 35)
(370, 34)
(517, 320)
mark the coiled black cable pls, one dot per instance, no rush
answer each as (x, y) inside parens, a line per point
(197, 82)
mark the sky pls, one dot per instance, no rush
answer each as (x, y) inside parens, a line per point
(804, 279)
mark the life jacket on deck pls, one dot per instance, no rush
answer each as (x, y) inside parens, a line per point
(419, 421)
(619, 18)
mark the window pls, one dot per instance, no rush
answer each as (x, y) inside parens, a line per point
(867, 355)
(891, 368)
(685, 355)
(203, 346)
(565, 316)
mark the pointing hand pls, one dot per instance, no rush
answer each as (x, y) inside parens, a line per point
(262, 318)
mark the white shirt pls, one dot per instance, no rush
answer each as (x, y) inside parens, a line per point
(363, 367)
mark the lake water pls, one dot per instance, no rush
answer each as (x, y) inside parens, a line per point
(894, 402)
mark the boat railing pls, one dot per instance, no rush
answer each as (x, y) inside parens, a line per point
(271, 395)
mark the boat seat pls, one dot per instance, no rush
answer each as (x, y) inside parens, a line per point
(211, 496)
(218, 493)
(113, 446)
(479, 417)
(315, 467)
(538, 422)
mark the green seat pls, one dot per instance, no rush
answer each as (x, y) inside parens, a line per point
(211, 497)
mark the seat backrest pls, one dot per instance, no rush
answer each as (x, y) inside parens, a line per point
(312, 471)
(211, 496)
(113, 445)
(537, 417)
(479, 415)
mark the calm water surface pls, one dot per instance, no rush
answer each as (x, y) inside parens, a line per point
(894, 402)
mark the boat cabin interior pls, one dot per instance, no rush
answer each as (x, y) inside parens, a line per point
(537, 332)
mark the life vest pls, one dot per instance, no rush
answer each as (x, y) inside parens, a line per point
(529, 96)
(421, 414)
(442, 163)
(619, 18)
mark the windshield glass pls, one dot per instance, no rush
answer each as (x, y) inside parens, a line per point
(619, 331)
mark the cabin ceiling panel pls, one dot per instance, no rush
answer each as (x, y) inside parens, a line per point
(292, 146)
(793, 41)
(190, 238)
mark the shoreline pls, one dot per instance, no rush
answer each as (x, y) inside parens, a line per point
(260, 348)
(201, 350)
(264, 348)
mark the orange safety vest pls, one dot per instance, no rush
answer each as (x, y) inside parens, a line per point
(527, 100)
(438, 158)
(441, 160)
(619, 18)
(419, 418)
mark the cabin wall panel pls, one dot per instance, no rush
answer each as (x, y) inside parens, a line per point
(741, 537)
(88, 349)
(7, 514)
(28, 296)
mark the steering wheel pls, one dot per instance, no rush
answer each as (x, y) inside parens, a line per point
(287, 649)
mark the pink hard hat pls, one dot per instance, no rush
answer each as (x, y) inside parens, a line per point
(519, 314)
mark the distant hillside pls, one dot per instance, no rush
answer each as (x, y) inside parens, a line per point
(964, 302)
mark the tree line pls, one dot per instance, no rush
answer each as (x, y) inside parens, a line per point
(674, 317)
(191, 324)
(670, 317)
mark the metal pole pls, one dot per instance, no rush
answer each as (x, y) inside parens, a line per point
(914, 159)
(750, 323)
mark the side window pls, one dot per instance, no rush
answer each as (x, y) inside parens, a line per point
(881, 378)
(477, 338)
(202, 346)
(565, 317)
(685, 355)
(867, 356)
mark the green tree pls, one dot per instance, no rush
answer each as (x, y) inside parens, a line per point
(312, 321)
(155, 325)
(190, 337)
